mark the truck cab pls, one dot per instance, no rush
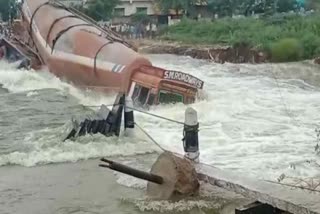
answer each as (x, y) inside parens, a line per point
(151, 86)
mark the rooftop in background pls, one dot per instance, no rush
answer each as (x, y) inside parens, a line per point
(129, 7)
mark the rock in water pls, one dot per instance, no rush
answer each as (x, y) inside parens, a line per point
(180, 178)
(317, 60)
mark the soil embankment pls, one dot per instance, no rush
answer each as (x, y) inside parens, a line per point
(215, 53)
(219, 54)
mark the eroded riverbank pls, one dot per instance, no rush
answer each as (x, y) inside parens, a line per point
(214, 53)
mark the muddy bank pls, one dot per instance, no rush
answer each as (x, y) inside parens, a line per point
(219, 54)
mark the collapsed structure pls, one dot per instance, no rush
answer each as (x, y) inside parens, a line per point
(174, 177)
(77, 49)
(104, 121)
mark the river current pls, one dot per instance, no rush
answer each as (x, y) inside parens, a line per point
(259, 120)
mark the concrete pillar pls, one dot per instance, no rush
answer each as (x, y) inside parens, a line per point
(190, 135)
(180, 179)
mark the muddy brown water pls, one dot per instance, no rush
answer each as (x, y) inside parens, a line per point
(245, 129)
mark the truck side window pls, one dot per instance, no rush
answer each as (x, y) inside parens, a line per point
(136, 92)
(167, 97)
(144, 92)
(140, 95)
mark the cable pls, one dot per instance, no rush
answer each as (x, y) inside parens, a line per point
(287, 110)
(101, 105)
(151, 138)
(102, 87)
(157, 116)
(144, 112)
(145, 132)
(157, 144)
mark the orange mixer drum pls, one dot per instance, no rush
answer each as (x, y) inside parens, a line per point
(77, 50)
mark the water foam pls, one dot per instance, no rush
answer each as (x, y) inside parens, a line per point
(244, 119)
(18, 81)
(179, 206)
(46, 147)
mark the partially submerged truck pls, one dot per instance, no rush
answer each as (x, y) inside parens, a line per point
(75, 48)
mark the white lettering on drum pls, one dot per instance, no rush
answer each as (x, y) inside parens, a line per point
(182, 77)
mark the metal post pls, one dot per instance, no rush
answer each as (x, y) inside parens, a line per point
(131, 171)
(190, 135)
(128, 115)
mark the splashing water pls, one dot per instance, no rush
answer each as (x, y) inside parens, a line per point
(244, 125)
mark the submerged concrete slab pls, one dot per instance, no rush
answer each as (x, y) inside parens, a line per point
(296, 201)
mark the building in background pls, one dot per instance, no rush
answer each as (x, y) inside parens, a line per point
(130, 7)
(127, 8)
(124, 11)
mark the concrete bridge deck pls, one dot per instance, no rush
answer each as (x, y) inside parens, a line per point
(292, 200)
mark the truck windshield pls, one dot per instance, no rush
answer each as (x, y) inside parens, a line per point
(169, 97)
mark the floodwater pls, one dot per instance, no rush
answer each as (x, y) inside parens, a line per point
(258, 120)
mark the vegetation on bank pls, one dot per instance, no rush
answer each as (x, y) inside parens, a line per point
(285, 38)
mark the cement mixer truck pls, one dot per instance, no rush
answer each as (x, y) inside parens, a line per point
(76, 49)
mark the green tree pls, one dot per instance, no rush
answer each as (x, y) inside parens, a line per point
(221, 7)
(100, 10)
(240, 7)
(286, 5)
(286, 50)
(248, 7)
(8, 8)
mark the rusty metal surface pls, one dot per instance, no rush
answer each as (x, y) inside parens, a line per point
(116, 53)
(76, 50)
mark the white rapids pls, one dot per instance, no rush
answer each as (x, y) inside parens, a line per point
(255, 119)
